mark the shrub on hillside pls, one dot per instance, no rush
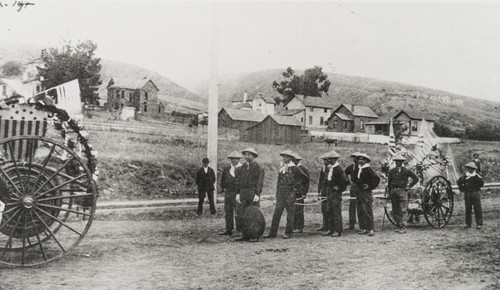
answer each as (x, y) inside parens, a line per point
(483, 131)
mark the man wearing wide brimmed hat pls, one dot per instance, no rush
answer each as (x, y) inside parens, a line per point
(301, 194)
(288, 186)
(470, 184)
(334, 183)
(229, 187)
(366, 181)
(205, 179)
(322, 193)
(477, 162)
(397, 184)
(250, 182)
(350, 172)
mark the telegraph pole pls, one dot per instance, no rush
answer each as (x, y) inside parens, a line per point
(213, 94)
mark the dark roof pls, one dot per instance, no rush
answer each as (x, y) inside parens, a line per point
(241, 105)
(318, 102)
(380, 121)
(286, 120)
(129, 83)
(266, 98)
(290, 112)
(244, 115)
(343, 117)
(414, 115)
(359, 111)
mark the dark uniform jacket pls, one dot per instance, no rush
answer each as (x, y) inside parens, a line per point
(471, 184)
(251, 175)
(304, 180)
(398, 178)
(322, 175)
(338, 180)
(289, 183)
(205, 181)
(368, 176)
(227, 181)
(351, 172)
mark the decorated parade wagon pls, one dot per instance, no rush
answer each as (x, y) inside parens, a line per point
(48, 177)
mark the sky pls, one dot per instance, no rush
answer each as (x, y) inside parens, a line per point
(453, 46)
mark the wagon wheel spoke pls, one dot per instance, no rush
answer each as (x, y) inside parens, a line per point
(58, 220)
(10, 210)
(11, 148)
(59, 186)
(38, 237)
(24, 240)
(47, 228)
(44, 164)
(64, 197)
(52, 176)
(63, 209)
(9, 242)
(19, 193)
(4, 223)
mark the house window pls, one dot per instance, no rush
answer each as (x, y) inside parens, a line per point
(286, 108)
(145, 107)
(361, 124)
(310, 120)
(130, 97)
(4, 90)
(159, 109)
(321, 120)
(345, 124)
(145, 96)
(335, 123)
(311, 109)
(326, 110)
(38, 89)
(302, 120)
(123, 94)
(414, 126)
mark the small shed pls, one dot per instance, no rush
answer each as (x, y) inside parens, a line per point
(239, 119)
(275, 129)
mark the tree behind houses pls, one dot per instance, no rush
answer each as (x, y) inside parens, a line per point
(73, 62)
(12, 68)
(312, 83)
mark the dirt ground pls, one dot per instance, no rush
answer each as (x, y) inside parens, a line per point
(177, 250)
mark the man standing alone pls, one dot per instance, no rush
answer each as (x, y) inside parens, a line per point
(322, 193)
(205, 179)
(229, 186)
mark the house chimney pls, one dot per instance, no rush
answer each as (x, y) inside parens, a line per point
(245, 97)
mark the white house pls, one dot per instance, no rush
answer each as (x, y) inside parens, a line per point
(312, 112)
(263, 103)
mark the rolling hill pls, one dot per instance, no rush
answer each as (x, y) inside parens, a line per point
(384, 97)
(175, 95)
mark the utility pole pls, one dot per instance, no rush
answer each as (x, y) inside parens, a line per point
(213, 95)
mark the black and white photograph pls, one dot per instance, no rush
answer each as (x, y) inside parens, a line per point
(165, 144)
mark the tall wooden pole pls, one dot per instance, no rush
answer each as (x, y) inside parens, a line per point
(213, 94)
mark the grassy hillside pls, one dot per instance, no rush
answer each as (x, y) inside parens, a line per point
(384, 97)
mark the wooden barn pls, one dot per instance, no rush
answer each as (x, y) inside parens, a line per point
(275, 129)
(240, 120)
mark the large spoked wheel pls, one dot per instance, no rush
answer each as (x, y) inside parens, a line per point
(437, 202)
(49, 197)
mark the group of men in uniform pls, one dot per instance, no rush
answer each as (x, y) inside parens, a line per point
(242, 185)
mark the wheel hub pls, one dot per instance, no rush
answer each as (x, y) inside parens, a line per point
(28, 202)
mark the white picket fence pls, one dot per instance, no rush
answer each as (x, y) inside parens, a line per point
(372, 138)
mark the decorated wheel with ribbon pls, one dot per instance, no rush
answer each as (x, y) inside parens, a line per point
(48, 185)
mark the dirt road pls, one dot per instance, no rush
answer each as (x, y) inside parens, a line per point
(182, 251)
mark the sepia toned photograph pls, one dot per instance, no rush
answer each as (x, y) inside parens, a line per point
(330, 144)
